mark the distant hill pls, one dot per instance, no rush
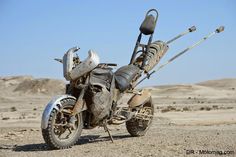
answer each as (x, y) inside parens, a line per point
(228, 83)
(215, 89)
(12, 85)
(29, 85)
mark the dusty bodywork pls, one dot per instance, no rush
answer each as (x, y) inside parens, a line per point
(74, 70)
(139, 99)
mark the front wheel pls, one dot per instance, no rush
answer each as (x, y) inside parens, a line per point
(139, 125)
(59, 134)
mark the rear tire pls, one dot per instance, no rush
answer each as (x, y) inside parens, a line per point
(52, 134)
(133, 126)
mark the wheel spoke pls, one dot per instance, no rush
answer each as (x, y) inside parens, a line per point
(60, 124)
(70, 132)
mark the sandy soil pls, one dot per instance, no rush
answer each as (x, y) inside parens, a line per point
(188, 118)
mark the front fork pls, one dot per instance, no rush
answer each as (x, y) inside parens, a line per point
(79, 106)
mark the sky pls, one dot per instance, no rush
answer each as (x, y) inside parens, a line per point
(33, 33)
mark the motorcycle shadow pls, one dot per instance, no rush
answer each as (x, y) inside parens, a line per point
(87, 139)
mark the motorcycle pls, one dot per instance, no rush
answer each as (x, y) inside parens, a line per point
(94, 90)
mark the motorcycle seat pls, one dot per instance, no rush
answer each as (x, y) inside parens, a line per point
(124, 76)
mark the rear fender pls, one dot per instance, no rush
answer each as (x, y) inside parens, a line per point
(139, 99)
(55, 103)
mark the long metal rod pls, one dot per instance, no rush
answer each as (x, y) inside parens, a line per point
(218, 30)
(191, 29)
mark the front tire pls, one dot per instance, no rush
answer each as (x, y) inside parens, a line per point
(138, 126)
(58, 135)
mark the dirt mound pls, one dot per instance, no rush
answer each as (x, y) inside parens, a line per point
(223, 90)
(45, 86)
(11, 81)
(29, 85)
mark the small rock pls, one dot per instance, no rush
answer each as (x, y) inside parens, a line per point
(87, 151)
(186, 109)
(208, 108)
(11, 134)
(22, 130)
(202, 108)
(13, 109)
(5, 118)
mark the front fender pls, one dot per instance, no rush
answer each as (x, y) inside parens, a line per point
(55, 103)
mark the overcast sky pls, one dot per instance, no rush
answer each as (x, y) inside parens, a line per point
(33, 33)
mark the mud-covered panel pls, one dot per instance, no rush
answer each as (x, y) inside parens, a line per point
(101, 102)
(101, 76)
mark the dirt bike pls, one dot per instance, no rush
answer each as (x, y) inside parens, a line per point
(94, 90)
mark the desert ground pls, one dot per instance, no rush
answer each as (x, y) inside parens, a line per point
(190, 120)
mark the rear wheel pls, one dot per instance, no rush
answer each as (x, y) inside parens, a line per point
(60, 134)
(139, 125)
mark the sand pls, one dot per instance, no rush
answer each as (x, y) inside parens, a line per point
(188, 118)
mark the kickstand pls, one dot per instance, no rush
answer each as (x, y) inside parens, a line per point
(107, 130)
